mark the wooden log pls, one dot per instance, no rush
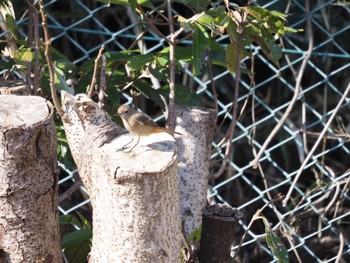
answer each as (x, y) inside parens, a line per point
(14, 87)
(197, 127)
(217, 235)
(134, 195)
(29, 227)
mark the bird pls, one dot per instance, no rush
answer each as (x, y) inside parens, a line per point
(139, 124)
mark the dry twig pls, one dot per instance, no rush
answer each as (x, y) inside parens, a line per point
(296, 92)
(232, 127)
(94, 74)
(319, 139)
(49, 59)
(101, 93)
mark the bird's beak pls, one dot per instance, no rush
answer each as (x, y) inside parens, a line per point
(117, 114)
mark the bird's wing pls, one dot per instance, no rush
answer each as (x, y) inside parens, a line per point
(145, 120)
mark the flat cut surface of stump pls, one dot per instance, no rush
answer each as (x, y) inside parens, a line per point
(14, 110)
(152, 154)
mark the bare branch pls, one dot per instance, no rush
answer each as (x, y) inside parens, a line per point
(319, 139)
(232, 128)
(101, 93)
(94, 74)
(172, 68)
(295, 96)
(49, 59)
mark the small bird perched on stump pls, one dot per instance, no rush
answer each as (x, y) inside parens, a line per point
(139, 124)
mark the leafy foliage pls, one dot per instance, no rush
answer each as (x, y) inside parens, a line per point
(244, 26)
(131, 71)
(76, 244)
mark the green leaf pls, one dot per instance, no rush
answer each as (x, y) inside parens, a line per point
(139, 61)
(70, 220)
(231, 30)
(77, 237)
(160, 73)
(231, 57)
(270, 49)
(186, 25)
(23, 55)
(115, 2)
(276, 50)
(274, 243)
(111, 58)
(181, 53)
(200, 44)
(60, 82)
(11, 24)
(183, 95)
(149, 92)
(218, 11)
(7, 12)
(77, 245)
(146, 3)
(258, 12)
(206, 20)
(195, 236)
(132, 3)
(278, 14)
(198, 5)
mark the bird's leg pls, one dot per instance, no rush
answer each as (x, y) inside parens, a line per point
(138, 140)
(132, 138)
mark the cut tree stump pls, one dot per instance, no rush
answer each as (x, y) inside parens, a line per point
(217, 234)
(29, 227)
(197, 127)
(134, 195)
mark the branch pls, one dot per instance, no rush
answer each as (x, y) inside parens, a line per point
(31, 25)
(36, 79)
(94, 74)
(233, 123)
(295, 96)
(254, 218)
(49, 59)
(212, 84)
(172, 69)
(319, 139)
(101, 94)
(151, 25)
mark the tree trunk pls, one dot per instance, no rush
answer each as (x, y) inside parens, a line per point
(218, 233)
(134, 195)
(29, 227)
(197, 129)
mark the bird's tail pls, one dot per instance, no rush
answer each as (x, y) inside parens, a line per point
(170, 131)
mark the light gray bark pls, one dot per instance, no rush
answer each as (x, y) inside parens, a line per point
(197, 128)
(16, 87)
(134, 195)
(29, 227)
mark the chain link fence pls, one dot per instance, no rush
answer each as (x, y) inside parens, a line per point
(308, 149)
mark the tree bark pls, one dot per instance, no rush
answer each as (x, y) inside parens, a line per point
(134, 195)
(29, 227)
(15, 87)
(197, 129)
(217, 233)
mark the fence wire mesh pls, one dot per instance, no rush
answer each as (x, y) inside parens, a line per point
(315, 223)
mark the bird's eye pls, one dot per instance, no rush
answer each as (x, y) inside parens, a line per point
(126, 111)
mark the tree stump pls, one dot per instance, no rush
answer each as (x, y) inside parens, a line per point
(14, 87)
(218, 233)
(134, 195)
(197, 128)
(29, 227)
